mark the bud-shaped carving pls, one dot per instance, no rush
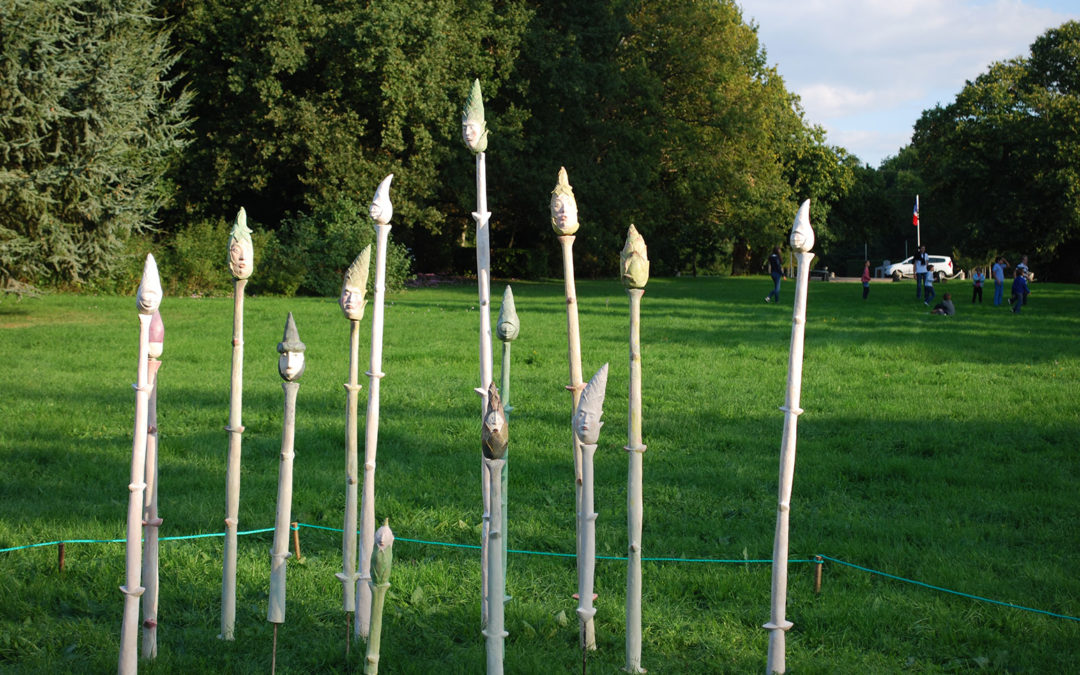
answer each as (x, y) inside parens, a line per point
(473, 126)
(241, 250)
(802, 235)
(148, 297)
(494, 435)
(564, 213)
(634, 260)
(508, 326)
(381, 209)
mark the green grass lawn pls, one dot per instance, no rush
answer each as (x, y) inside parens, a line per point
(937, 449)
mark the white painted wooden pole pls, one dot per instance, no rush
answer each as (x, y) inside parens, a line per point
(587, 430)
(147, 301)
(240, 265)
(802, 240)
(151, 519)
(494, 438)
(382, 211)
(634, 264)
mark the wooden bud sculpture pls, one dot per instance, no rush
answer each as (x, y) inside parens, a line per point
(587, 430)
(291, 365)
(241, 264)
(151, 519)
(147, 300)
(474, 132)
(507, 328)
(494, 437)
(382, 561)
(634, 268)
(381, 211)
(473, 126)
(564, 220)
(352, 305)
(802, 239)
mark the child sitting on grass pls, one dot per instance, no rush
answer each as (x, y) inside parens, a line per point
(945, 307)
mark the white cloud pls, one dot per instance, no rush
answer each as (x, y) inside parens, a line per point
(854, 60)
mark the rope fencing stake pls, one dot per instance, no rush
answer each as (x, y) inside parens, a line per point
(818, 564)
(296, 539)
(60, 557)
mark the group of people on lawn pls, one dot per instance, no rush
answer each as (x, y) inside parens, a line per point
(924, 282)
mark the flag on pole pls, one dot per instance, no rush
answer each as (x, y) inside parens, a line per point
(915, 213)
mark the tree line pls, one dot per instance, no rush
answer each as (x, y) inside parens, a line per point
(132, 125)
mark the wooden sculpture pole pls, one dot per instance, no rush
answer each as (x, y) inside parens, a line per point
(147, 301)
(352, 304)
(635, 274)
(587, 429)
(474, 133)
(802, 240)
(291, 365)
(151, 520)
(494, 437)
(382, 210)
(507, 328)
(564, 219)
(241, 254)
(380, 583)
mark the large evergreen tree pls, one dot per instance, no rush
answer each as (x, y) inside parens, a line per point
(88, 121)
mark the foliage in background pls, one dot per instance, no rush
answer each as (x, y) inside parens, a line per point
(90, 119)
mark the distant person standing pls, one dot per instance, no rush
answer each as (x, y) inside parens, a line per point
(776, 271)
(920, 272)
(998, 272)
(866, 280)
(1023, 267)
(977, 279)
(928, 285)
(1019, 290)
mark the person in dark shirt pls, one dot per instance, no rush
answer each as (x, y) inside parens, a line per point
(776, 271)
(1019, 290)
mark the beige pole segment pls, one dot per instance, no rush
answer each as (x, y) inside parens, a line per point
(802, 240)
(381, 211)
(483, 279)
(634, 507)
(232, 466)
(151, 520)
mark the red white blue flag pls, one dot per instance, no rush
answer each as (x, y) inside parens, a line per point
(915, 213)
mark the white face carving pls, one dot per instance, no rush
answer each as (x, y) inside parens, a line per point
(493, 421)
(352, 303)
(290, 365)
(149, 299)
(588, 424)
(470, 132)
(564, 211)
(239, 261)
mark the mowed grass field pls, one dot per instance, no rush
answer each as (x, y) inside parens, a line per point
(943, 450)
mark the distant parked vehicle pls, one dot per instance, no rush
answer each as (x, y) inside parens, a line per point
(943, 268)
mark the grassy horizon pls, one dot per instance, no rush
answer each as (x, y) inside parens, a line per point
(938, 449)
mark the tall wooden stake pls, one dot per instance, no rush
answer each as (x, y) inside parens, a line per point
(382, 211)
(507, 328)
(147, 302)
(241, 265)
(494, 437)
(151, 520)
(587, 430)
(634, 264)
(802, 240)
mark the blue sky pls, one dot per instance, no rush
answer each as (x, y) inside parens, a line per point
(866, 69)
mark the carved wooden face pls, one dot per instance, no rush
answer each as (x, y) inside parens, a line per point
(471, 133)
(587, 423)
(149, 299)
(291, 365)
(239, 260)
(564, 215)
(352, 303)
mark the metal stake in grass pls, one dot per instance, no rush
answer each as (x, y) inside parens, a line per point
(151, 520)
(494, 437)
(634, 267)
(147, 301)
(291, 366)
(382, 210)
(352, 303)
(474, 133)
(241, 264)
(564, 219)
(507, 328)
(380, 567)
(587, 430)
(802, 240)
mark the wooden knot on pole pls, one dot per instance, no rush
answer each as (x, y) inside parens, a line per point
(635, 448)
(575, 387)
(153, 522)
(149, 623)
(132, 487)
(230, 522)
(793, 411)
(352, 387)
(237, 342)
(147, 388)
(378, 375)
(239, 429)
(139, 590)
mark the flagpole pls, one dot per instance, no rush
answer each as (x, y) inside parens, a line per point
(918, 224)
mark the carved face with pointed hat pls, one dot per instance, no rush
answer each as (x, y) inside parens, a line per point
(802, 235)
(352, 300)
(494, 435)
(473, 125)
(291, 363)
(508, 326)
(590, 408)
(564, 213)
(241, 251)
(382, 210)
(148, 297)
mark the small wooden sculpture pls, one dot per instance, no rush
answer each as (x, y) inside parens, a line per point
(382, 210)
(151, 519)
(241, 265)
(507, 328)
(291, 365)
(352, 303)
(587, 430)
(802, 240)
(494, 437)
(380, 583)
(147, 300)
(634, 269)
(474, 133)
(564, 220)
